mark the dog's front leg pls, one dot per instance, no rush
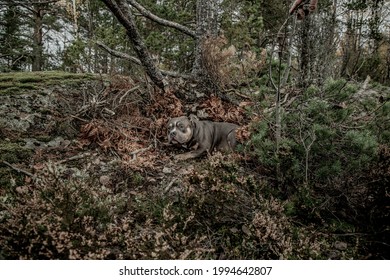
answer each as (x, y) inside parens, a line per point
(193, 154)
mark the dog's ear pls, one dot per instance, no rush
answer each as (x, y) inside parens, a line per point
(193, 118)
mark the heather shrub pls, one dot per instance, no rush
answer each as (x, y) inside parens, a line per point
(62, 216)
(226, 198)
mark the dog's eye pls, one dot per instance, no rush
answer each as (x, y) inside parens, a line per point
(180, 126)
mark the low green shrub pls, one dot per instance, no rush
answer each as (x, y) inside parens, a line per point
(333, 139)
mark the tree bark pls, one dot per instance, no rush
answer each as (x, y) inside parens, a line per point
(137, 61)
(37, 52)
(305, 54)
(162, 21)
(125, 17)
(38, 9)
(206, 27)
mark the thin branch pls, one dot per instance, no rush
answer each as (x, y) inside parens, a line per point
(238, 94)
(127, 92)
(138, 62)
(140, 151)
(18, 169)
(28, 4)
(270, 67)
(35, 2)
(167, 189)
(161, 21)
(119, 54)
(276, 87)
(136, 152)
(76, 157)
(288, 68)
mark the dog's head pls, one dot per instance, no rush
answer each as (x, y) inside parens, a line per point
(180, 129)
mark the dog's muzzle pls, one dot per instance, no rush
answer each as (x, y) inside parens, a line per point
(171, 137)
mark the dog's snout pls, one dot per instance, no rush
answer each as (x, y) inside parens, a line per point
(172, 133)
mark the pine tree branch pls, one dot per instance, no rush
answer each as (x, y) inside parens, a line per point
(146, 13)
(137, 61)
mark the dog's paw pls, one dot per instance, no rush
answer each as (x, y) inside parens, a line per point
(181, 157)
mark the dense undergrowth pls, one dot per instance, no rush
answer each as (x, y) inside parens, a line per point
(112, 190)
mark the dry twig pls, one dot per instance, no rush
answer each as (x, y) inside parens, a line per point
(18, 169)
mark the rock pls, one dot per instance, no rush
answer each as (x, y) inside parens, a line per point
(199, 94)
(31, 143)
(22, 189)
(56, 142)
(152, 180)
(246, 230)
(342, 246)
(104, 180)
(186, 170)
(66, 143)
(167, 170)
(202, 114)
(334, 255)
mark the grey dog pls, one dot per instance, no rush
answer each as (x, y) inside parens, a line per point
(202, 136)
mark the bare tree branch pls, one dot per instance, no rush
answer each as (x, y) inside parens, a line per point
(29, 4)
(33, 2)
(18, 169)
(122, 12)
(119, 54)
(161, 21)
(137, 61)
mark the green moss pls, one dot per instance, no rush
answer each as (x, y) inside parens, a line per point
(6, 85)
(27, 86)
(137, 179)
(44, 138)
(5, 78)
(10, 90)
(30, 79)
(23, 82)
(13, 152)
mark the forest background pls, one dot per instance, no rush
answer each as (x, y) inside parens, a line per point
(311, 176)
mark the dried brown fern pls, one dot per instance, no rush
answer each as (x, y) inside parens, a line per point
(226, 66)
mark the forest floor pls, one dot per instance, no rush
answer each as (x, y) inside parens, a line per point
(86, 173)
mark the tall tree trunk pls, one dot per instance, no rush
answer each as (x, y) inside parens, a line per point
(347, 46)
(125, 17)
(206, 27)
(330, 48)
(37, 52)
(305, 53)
(374, 24)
